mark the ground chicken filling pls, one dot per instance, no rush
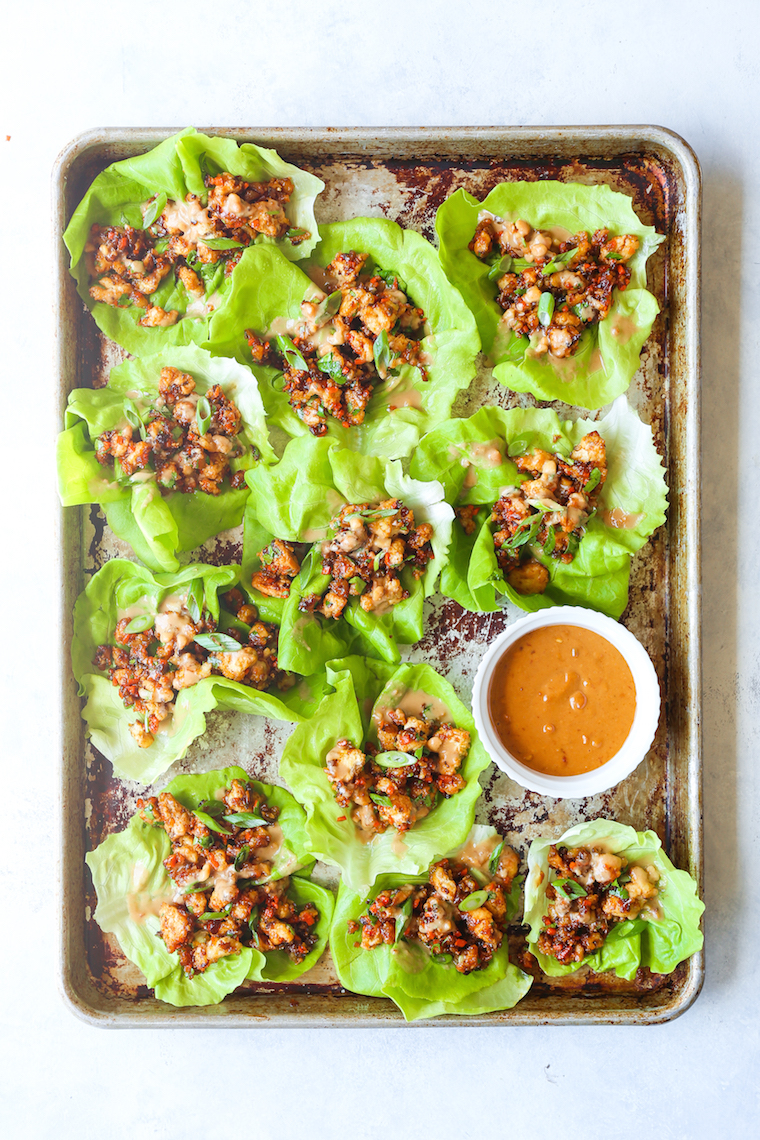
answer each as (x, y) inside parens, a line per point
(349, 338)
(593, 891)
(552, 290)
(549, 511)
(150, 664)
(380, 789)
(370, 547)
(280, 564)
(199, 245)
(452, 916)
(186, 440)
(220, 853)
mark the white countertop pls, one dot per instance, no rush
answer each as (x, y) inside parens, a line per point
(690, 66)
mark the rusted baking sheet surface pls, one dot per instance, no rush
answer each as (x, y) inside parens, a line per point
(405, 175)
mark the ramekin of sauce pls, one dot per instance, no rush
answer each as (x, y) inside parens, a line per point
(567, 702)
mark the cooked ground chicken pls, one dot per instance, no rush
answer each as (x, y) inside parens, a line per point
(549, 510)
(150, 667)
(397, 797)
(279, 566)
(218, 905)
(364, 559)
(128, 265)
(452, 916)
(592, 892)
(550, 290)
(347, 340)
(186, 450)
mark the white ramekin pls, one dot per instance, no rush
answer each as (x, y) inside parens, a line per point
(645, 720)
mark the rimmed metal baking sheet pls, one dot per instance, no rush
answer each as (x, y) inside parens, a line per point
(405, 173)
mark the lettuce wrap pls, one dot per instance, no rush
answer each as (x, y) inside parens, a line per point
(296, 500)
(267, 290)
(659, 944)
(158, 524)
(360, 687)
(122, 585)
(460, 454)
(131, 882)
(418, 984)
(608, 355)
(175, 168)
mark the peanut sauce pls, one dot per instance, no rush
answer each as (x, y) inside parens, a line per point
(562, 700)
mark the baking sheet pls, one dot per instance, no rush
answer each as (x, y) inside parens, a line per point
(405, 174)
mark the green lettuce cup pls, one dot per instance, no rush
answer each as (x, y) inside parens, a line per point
(267, 293)
(131, 883)
(421, 985)
(608, 355)
(471, 458)
(123, 588)
(361, 688)
(296, 500)
(172, 170)
(659, 943)
(158, 523)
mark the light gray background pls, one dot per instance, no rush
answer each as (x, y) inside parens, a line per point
(685, 64)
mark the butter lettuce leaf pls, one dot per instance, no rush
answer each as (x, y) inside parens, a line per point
(608, 356)
(157, 525)
(176, 168)
(267, 292)
(295, 500)
(360, 687)
(472, 460)
(131, 882)
(121, 584)
(421, 987)
(659, 944)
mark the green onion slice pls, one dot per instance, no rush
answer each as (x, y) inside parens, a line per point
(402, 918)
(218, 641)
(473, 901)
(546, 309)
(211, 823)
(203, 415)
(141, 623)
(221, 243)
(195, 599)
(493, 862)
(502, 266)
(393, 759)
(155, 209)
(592, 481)
(327, 308)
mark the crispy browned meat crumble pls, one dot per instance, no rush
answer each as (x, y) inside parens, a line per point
(397, 797)
(189, 240)
(432, 914)
(280, 564)
(551, 511)
(371, 545)
(594, 890)
(150, 667)
(348, 339)
(220, 904)
(187, 452)
(575, 278)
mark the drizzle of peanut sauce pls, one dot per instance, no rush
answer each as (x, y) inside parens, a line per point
(562, 700)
